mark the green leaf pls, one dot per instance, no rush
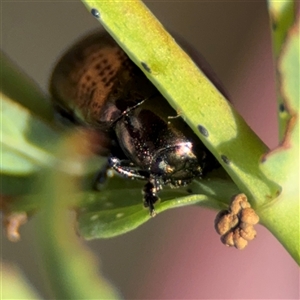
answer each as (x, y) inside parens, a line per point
(25, 140)
(108, 213)
(118, 208)
(27, 144)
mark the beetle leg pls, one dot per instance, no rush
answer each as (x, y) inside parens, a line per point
(101, 177)
(127, 111)
(132, 108)
(150, 194)
(126, 171)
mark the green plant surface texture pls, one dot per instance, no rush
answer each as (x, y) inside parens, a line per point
(72, 270)
(189, 92)
(109, 214)
(282, 164)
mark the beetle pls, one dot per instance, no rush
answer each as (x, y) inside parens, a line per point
(95, 84)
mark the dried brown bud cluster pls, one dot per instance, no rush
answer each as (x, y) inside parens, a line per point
(236, 224)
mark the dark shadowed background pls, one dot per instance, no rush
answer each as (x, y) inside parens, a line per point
(176, 255)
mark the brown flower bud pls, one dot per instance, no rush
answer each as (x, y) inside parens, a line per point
(239, 242)
(227, 239)
(224, 222)
(248, 232)
(249, 216)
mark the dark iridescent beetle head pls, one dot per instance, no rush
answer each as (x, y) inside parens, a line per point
(177, 161)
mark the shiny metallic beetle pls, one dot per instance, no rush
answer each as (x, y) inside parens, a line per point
(95, 84)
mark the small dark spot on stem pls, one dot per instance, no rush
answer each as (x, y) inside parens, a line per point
(225, 159)
(146, 67)
(203, 130)
(95, 13)
(274, 25)
(281, 107)
(263, 159)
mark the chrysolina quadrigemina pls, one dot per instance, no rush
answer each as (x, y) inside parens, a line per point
(95, 84)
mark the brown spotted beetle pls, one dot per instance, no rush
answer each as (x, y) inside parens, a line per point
(95, 84)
